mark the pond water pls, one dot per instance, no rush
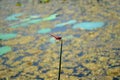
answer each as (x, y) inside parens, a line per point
(90, 32)
(89, 25)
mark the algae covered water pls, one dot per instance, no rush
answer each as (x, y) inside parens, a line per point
(90, 31)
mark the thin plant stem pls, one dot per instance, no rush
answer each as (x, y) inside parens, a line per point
(60, 60)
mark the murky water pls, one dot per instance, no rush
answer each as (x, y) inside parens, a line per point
(91, 40)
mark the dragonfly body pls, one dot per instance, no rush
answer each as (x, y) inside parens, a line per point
(56, 37)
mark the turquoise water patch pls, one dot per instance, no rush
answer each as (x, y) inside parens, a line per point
(7, 36)
(34, 21)
(89, 25)
(4, 50)
(26, 22)
(44, 31)
(34, 16)
(66, 23)
(20, 25)
(69, 37)
(52, 40)
(51, 17)
(13, 17)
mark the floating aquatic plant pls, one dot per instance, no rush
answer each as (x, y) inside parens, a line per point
(18, 4)
(4, 50)
(52, 40)
(32, 20)
(66, 23)
(20, 25)
(35, 16)
(89, 25)
(44, 31)
(13, 17)
(7, 36)
(44, 1)
(26, 22)
(51, 17)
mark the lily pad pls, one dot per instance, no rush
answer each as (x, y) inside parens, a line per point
(7, 36)
(89, 25)
(4, 50)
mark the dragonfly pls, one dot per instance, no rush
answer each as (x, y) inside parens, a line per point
(59, 38)
(56, 37)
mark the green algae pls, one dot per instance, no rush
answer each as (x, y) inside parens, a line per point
(44, 1)
(44, 63)
(69, 37)
(89, 25)
(13, 17)
(51, 17)
(66, 23)
(20, 25)
(34, 21)
(52, 40)
(18, 4)
(34, 16)
(4, 50)
(44, 31)
(28, 21)
(7, 36)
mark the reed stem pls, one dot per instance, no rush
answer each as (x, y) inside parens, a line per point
(60, 60)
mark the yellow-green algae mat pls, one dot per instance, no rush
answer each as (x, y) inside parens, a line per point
(28, 21)
(4, 36)
(4, 49)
